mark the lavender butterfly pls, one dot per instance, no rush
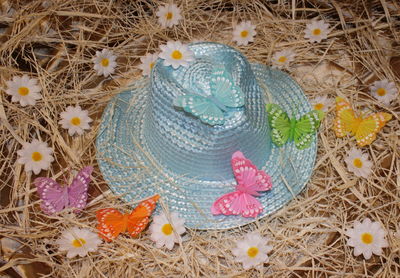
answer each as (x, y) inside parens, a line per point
(55, 198)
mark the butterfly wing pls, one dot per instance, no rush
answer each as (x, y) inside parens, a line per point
(77, 191)
(52, 194)
(369, 127)
(248, 176)
(202, 108)
(249, 206)
(345, 121)
(280, 124)
(305, 129)
(224, 89)
(250, 180)
(263, 181)
(237, 203)
(139, 218)
(111, 223)
(224, 204)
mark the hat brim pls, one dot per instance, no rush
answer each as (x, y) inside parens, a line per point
(133, 174)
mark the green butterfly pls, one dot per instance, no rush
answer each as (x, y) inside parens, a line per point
(284, 129)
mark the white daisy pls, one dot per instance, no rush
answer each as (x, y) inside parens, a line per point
(321, 103)
(168, 15)
(75, 120)
(104, 62)
(316, 31)
(244, 33)
(148, 63)
(36, 156)
(282, 59)
(24, 89)
(358, 163)
(166, 232)
(384, 91)
(252, 250)
(78, 241)
(367, 238)
(176, 54)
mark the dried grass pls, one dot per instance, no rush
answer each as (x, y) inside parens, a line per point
(55, 43)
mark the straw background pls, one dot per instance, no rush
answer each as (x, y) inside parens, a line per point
(54, 42)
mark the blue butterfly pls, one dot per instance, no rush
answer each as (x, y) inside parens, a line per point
(210, 109)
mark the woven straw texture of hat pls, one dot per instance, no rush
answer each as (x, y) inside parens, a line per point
(54, 41)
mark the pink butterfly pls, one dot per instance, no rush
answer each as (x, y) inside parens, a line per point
(55, 198)
(250, 180)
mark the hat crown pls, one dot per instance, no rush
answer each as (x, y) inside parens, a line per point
(183, 144)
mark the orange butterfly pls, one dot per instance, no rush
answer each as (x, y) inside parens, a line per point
(112, 222)
(363, 129)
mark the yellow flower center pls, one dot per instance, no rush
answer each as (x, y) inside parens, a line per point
(152, 65)
(176, 54)
(282, 59)
(357, 162)
(75, 121)
(167, 229)
(367, 238)
(381, 92)
(105, 62)
(252, 252)
(316, 32)
(169, 16)
(23, 91)
(244, 33)
(36, 156)
(78, 242)
(319, 106)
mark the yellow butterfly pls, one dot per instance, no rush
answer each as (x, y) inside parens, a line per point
(363, 129)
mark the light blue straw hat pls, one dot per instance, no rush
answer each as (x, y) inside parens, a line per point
(147, 146)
